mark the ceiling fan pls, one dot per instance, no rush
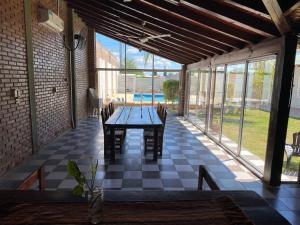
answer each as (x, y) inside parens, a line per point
(143, 39)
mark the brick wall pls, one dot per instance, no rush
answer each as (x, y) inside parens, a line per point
(15, 131)
(51, 71)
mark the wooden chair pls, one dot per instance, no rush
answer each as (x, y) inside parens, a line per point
(119, 134)
(205, 176)
(95, 102)
(111, 108)
(37, 175)
(149, 136)
(292, 149)
(160, 110)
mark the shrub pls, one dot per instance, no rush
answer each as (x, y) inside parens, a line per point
(170, 89)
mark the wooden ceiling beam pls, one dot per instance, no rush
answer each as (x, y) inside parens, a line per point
(165, 41)
(233, 14)
(277, 16)
(155, 44)
(190, 38)
(160, 46)
(160, 14)
(255, 6)
(292, 8)
(287, 4)
(209, 22)
(127, 13)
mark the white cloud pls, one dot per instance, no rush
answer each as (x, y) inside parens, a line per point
(139, 59)
(132, 50)
(115, 53)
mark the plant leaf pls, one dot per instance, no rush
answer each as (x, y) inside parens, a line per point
(73, 170)
(94, 168)
(78, 190)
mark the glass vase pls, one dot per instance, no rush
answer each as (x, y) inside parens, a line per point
(95, 204)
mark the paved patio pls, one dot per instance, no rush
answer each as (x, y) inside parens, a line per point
(185, 148)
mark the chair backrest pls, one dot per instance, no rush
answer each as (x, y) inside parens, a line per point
(296, 142)
(205, 176)
(111, 108)
(104, 117)
(37, 175)
(159, 110)
(164, 116)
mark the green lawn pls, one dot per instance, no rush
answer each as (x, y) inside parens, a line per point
(255, 132)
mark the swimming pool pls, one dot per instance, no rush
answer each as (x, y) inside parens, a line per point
(148, 97)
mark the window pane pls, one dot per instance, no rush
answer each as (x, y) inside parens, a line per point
(257, 111)
(232, 105)
(193, 96)
(166, 89)
(217, 86)
(162, 63)
(202, 97)
(110, 49)
(290, 171)
(139, 88)
(136, 59)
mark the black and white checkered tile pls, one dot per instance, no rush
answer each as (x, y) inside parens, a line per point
(185, 148)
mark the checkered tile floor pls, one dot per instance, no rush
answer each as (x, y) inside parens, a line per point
(185, 148)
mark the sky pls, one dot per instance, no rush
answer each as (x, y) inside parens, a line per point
(134, 54)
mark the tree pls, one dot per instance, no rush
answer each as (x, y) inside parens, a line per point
(170, 89)
(131, 64)
(146, 58)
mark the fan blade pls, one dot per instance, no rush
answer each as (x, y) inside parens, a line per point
(144, 40)
(126, 36)
(143, 45)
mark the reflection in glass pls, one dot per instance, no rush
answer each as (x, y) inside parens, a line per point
(165, 64)
(138, 59)
(257, 111)
(290, 171)
(232, 106)
(216, 98)
(139, 82)
(193, 97)
(202, 97)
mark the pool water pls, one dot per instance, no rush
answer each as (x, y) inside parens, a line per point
(148, 97)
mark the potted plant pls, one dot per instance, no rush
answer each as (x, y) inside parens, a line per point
(89, 187)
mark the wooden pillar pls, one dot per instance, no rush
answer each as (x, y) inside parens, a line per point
(30, 71)
(182, 85)
(280, 108)
(92, 57)
(72, 68)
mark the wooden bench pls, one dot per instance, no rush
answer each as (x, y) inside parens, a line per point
(37, 175)
(205, 176)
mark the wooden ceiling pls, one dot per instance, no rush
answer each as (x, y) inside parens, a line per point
(199, 28)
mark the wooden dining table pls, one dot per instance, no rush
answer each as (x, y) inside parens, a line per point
(140, 207)
(134, 117)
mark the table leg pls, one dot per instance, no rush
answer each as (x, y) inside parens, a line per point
(112, 144)
(155, 144)
(299, 173)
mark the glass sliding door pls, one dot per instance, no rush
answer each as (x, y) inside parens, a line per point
(193, 95)
(203, 94)
(260, 76)
(216, 102)
(235, 76)
(291, 164)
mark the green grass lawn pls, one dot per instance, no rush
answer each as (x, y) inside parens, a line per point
(255, 132)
